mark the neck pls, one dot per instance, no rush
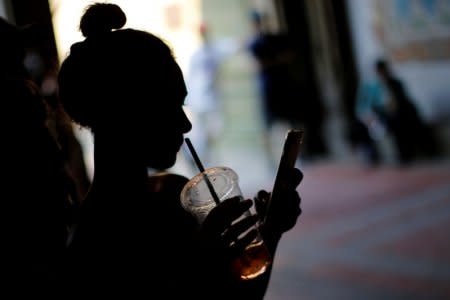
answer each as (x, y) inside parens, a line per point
(116, 169)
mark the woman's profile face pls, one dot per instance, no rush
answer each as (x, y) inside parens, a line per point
(161, 121)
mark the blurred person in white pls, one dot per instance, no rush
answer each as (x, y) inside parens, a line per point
(204, 99)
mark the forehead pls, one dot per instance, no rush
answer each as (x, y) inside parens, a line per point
(178, 80)
(171, 83)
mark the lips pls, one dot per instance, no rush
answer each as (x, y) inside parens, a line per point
(177, 144)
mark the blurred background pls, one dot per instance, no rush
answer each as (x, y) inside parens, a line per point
(374, 225)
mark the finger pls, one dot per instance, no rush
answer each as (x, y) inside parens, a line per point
(297, 212)
(239, 245)
(263, 195)
(285, 207)
(294, 177)
(226, 212)
(291, 203)
(234, 210)
(261, 200)
(287, 197)
(237, 229)
(260, 207)
(293, 196)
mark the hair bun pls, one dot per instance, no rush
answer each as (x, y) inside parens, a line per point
(101, 18)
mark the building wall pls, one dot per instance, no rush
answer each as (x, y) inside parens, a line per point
(5, 11)
(2, 9)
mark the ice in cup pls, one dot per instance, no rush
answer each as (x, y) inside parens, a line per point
(196, 198)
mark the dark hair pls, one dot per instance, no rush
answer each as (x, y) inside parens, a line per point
(102, 71)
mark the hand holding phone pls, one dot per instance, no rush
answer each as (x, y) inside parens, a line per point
(288, 158)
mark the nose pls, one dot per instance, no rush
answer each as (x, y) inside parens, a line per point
(186, 124)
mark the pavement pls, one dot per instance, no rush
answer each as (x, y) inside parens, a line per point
(379, 233)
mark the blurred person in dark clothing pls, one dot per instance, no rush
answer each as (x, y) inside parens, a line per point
(286, 96)
(42, 69)
(37, 202)
(412, 136)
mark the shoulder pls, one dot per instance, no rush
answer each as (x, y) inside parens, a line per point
(166, 181)
(167, 187)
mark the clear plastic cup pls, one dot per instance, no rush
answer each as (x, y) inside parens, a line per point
(197, 199)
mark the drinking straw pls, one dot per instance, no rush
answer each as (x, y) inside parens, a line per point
(202, 170)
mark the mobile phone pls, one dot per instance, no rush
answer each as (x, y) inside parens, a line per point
(289, 155)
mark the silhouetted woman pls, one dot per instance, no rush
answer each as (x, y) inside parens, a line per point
(133, 238)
